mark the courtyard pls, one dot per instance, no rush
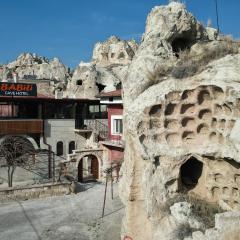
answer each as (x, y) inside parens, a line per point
(69, 217)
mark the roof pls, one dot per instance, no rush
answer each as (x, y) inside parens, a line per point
(42, 97)
(116, 93)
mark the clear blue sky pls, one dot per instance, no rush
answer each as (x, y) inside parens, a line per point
(69, 29)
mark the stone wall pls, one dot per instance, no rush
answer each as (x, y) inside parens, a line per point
(35, 191)
(60, 130)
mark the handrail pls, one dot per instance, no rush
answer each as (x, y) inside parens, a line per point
(99, 127)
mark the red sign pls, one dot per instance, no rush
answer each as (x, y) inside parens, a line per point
(18, 89)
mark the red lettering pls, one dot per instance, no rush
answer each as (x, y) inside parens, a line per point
(12, 87)
(19, 87)
(28, 87)
(4, 87)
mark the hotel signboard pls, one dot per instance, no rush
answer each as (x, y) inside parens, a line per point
(18, 89)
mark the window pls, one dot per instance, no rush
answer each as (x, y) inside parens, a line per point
(59, 148)
(71, 147)
(61, 110)
(121, 56)
(103, 110)
(116, 125)
(79, 82)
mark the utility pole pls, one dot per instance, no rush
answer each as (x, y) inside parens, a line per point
(216, 6)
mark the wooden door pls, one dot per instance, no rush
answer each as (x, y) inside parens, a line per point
(94, 167)
(80, 171)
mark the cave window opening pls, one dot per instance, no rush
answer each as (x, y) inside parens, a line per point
(190, 172)
(180, 44)
(79, 82)
(119, 86)
(121, 56)
(100, 87)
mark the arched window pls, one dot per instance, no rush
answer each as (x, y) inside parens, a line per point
(121, 56)
(59, 148)
(71, 147)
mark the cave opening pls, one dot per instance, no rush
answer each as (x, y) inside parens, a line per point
(190, 172)
(119, 86)
(79, 82)
(100, 87)
(180, 44)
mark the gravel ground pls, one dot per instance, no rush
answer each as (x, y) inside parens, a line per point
(76, 216)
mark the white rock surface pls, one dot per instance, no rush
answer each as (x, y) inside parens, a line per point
(182, 212)
(107, 69)
(114, 51)
(32, 67)
(180, 133)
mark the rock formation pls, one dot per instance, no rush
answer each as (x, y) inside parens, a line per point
(32, 67)
(83, 82)
(48, 75)
(108, 67)
(182, 122)
(105, 72)
(114, 51)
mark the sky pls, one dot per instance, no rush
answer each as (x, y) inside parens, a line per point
(68, 29)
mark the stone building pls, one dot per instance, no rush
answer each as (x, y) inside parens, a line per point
(54, 128)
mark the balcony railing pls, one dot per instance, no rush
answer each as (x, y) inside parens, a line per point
(21, 126)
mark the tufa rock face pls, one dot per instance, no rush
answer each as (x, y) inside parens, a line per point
(48, 75)
(106, 70)
(169, 29)
(83, 82)
(181, 125)
(114, 51)
(32, 67)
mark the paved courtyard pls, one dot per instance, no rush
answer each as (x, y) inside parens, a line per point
(68, 217)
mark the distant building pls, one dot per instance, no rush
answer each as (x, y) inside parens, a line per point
(104, 147)
(59, 126)
(114, 144)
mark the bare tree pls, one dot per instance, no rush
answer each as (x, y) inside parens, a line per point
(16, 151)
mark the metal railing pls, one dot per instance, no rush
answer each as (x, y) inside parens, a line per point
(100, 128)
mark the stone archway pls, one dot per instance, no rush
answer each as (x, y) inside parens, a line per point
(88, 168)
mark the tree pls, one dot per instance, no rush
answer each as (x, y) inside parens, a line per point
(16, 151)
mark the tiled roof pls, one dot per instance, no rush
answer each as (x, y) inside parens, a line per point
(116, 93)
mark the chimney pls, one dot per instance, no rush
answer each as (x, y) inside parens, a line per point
(58, 94)
(15, 77)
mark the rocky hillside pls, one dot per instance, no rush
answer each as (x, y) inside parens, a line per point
(105, 72)
(48, 74)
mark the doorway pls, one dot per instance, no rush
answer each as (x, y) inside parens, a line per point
(88, 169)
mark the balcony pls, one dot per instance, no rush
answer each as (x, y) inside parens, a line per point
(114, 141)
(21, 126)
(93, 125)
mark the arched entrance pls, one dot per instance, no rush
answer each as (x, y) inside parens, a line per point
(190, 173)
(71, 147)
(88, 168)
